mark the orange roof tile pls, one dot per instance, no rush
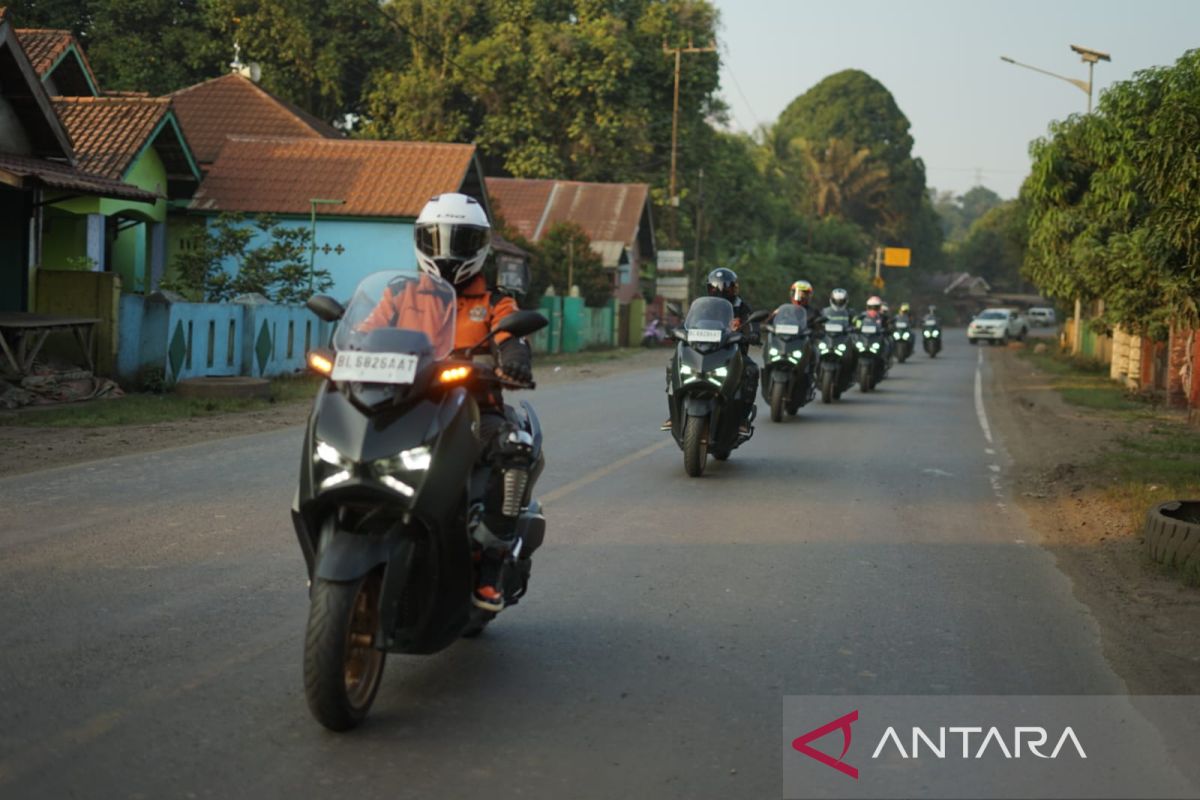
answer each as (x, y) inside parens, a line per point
(233, 105)
(607, 212)
(108, 132)
(54, 175)
(44, 47)
(376, 179)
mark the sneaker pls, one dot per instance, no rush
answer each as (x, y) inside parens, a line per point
(666, 426)
(488, 598)
(487, 594)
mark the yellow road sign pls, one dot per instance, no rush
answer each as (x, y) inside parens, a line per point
(897, 256)
(878, 282)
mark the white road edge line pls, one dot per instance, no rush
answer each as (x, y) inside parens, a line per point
(979, 410)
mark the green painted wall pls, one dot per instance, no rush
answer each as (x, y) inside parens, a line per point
(146, 173)
(129, 258)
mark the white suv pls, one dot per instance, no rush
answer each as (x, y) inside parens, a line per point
(997, 325)
(1042, 317)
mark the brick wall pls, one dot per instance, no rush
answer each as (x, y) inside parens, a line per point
(1182, 387)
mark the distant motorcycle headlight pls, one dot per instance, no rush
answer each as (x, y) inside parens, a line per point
(824, 347)
(774, 351)
(875, 347)
(841, 348)
(896, 335)
(861, 347)
(937, 333)
(796, 355)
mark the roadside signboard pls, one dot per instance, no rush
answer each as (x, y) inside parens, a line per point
(670, 261)
(897, 256)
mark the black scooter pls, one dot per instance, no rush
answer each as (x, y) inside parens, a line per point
(391, 493)
(903, 338)
(872, 346)
(839, 358)
(787, 374)
(931, 337)
(704, 384)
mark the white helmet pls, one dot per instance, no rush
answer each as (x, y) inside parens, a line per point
(838, 298)
(452, 237)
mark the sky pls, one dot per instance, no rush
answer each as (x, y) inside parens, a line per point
(972, 115)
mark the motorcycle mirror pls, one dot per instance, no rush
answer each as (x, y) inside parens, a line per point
(325, 307)
(769, 328)
(680, 334)
(521, 323)
(759, 316)
(735, 338)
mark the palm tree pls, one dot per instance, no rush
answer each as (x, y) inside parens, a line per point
(844, 181)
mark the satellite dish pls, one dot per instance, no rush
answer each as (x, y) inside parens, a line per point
(255, 71)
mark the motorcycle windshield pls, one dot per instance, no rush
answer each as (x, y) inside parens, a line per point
(790, 320)
(709, 314)
(399, 312)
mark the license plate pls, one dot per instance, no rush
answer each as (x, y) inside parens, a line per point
(375, 367)
(834, 327)
(869, 329)
(704, 335)
(787, 330)
(901, 325)
(931, 324)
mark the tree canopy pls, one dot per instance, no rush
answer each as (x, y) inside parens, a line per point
(1114, 201)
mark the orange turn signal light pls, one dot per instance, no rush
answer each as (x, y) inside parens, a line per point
(454, 374)
(320, 364)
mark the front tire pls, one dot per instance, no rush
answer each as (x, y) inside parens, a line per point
(777, 402)
(695, 445)
(342, 670)
(864, 377)
(827, 387)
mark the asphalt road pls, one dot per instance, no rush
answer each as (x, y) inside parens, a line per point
(152, 610)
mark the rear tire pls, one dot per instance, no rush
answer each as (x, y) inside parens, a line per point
(342, 671)
(777, 402)
(695, 446)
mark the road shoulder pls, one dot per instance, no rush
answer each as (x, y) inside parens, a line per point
(1149, 619)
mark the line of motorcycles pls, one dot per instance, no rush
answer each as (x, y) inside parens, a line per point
(709, 397)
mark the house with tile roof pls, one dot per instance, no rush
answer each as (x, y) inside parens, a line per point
(361, 197)
(615, 216)
(59, 61)
(39, 166)
(233, 105)
(138, 141)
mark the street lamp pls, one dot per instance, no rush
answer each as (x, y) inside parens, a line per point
(1089, 57)
(313, 202)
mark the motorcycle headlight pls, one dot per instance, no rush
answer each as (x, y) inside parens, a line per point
(861, 347)
(796, 355)
(721, 372)
(342, 467)
(841, 348)
(928, 334)
(896, 335)
(906, 335)
(684, 369)
(937, 333)
(824, 347)
(773, 351)
(875, 347)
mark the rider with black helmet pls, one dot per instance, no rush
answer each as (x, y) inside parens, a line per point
(723, 282)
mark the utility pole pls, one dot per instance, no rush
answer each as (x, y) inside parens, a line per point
(699, 214)
(678, 52)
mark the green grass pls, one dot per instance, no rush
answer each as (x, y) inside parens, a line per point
(144, 409)
(1153, 456)
(1085, 382)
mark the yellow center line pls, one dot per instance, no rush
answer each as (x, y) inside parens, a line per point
(596, 475)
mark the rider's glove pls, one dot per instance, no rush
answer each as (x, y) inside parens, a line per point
(518, 370)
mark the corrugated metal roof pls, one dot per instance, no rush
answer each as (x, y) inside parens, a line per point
(608, 212)
(375, 178)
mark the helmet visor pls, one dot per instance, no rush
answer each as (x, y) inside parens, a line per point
(450, 240)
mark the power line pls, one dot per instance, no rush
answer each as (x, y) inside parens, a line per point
(757, 120)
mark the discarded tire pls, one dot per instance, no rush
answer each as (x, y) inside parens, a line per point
(1173, 534)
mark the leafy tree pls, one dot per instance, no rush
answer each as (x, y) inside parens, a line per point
(844, 183)
(276, 269)
(1114, 202)
(958, 213)
(994, 247)
(566, 249)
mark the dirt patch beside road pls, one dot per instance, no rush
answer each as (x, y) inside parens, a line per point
(1063, 479)
(28, 448)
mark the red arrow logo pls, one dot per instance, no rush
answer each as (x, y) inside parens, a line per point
(843, 723)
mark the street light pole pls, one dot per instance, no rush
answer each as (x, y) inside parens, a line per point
(1089, 57)
(313, 202)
